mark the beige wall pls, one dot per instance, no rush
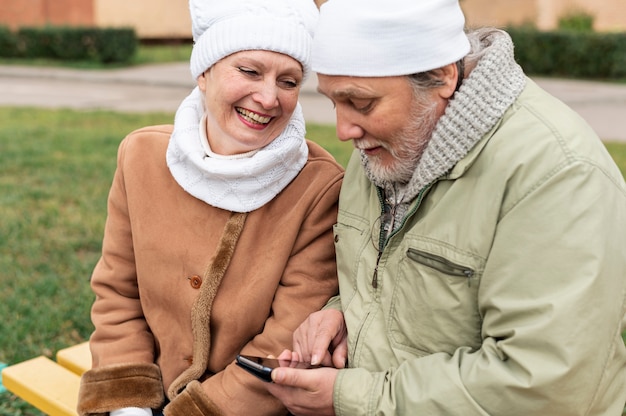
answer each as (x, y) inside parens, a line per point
(150, 18)
(609, 15)
(498, 13)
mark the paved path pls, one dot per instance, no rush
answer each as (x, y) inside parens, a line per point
(162, 88)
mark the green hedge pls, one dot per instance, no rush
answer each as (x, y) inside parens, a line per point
(70, 44)
(574, 54)
(7, 43)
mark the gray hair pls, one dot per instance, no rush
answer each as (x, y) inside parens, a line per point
(479, 40)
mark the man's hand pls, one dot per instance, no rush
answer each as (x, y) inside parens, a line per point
(323, 333)
(304, 392)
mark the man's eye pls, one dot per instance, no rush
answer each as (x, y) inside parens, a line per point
(362, 105)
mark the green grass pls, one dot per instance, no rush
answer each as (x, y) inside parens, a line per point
(618, 152)
(147, 54)
(56, 167)
(55, 171)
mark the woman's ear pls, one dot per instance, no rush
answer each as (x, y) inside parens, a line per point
(202, 82)
(449, 75)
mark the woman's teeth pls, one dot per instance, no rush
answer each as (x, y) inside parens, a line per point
(253, 117)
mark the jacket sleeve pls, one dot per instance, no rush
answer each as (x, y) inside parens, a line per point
(308, 281)
(121, 343)
(552, 298)
(334, 303)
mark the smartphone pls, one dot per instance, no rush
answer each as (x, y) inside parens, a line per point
(262, 367)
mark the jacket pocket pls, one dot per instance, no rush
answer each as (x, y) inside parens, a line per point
(440, 264)
(350, 241)
(434, 305)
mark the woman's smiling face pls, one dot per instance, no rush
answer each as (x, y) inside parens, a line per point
(250, 97)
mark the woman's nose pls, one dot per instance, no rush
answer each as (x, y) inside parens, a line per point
(266, 95)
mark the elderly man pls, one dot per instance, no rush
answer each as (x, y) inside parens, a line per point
(481, 231)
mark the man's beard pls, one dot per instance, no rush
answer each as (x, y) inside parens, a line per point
(405, 147)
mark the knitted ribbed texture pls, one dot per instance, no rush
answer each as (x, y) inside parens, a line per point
(491, 88)
(239, 185)
(223, 27)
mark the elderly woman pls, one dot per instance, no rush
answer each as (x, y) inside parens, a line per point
(219, 231)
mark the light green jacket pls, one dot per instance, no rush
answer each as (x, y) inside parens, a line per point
(504, 291)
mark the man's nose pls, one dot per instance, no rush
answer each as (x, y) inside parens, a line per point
(346, 128)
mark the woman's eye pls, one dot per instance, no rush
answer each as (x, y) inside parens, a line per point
(247, 71)
(289, 83)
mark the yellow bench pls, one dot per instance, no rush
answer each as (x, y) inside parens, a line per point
(52, 387)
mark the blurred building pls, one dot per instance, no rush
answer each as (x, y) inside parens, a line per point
(151, 19)
(169, 19)
(608, 15)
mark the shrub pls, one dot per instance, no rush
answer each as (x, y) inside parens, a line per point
(8, 42)
(570, 53)
(75, 44)
(35, 43)
(116, 45)
(578, 21)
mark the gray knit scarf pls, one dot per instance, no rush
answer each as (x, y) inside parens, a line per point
(489, 90)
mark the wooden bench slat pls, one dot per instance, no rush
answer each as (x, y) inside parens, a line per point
(44, 384)
(76, 358)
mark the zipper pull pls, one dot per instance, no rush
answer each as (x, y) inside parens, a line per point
(375, 278)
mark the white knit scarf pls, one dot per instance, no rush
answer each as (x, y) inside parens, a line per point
(234, 184)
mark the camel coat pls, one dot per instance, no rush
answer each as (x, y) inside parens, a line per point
(171, 309)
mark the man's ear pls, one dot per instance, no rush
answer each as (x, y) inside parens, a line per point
(449, 75)
(202, 82)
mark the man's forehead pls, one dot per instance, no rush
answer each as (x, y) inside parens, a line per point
(346, 87)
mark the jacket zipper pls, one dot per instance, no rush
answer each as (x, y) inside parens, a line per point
(440, 264)
(382, 243)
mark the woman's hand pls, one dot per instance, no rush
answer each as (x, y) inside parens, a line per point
(322, 339)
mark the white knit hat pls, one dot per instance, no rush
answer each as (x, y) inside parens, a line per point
(223, 27)
(376, 38)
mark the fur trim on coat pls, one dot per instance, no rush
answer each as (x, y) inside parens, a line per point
(106, 389)
(192, 402)
(201, 312)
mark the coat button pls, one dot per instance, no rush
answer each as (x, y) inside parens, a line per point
(336, 238)
(195, 281)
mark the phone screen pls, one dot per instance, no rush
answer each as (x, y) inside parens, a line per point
(262, 367)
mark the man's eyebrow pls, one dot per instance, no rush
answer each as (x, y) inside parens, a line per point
(347, 93)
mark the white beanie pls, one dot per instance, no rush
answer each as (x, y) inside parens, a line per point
(223, 27)
(376, 38)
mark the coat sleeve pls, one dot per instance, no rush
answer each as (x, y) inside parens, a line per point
(552, 299)
(308, 281)
(121, 344)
